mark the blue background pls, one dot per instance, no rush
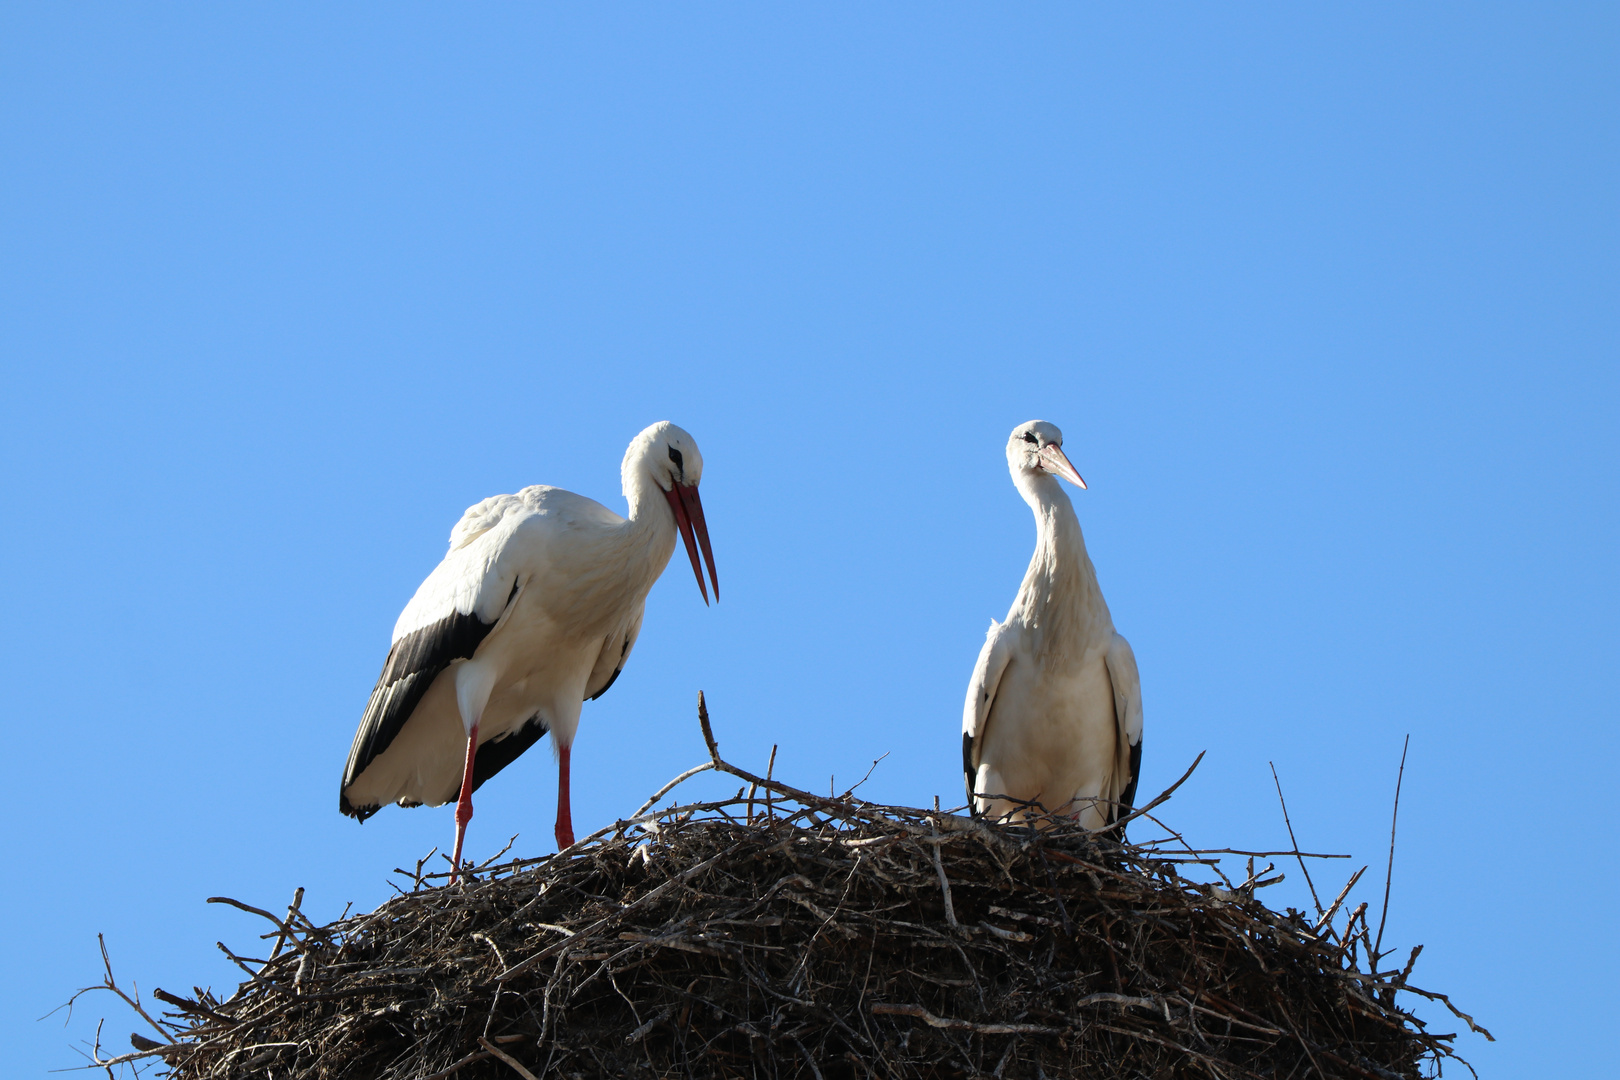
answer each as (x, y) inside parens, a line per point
(1323, 300)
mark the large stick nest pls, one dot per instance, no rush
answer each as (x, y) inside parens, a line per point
(782, 934)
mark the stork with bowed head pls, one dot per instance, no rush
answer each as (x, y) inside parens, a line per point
(1053, 717)
(534, 609)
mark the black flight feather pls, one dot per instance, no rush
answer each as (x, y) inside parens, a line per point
(613, 678)
(1127, 798)
(967, 770)
(497, 754)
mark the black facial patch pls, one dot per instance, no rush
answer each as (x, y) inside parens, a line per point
(680, 467)
(1029, 437)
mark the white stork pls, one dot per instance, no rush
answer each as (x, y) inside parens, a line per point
(534, 609)
(1053, 717)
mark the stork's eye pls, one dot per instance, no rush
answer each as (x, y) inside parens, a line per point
(1029, 436)
(675, 456)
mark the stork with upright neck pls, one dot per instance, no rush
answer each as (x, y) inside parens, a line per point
(533, 611)
(1053, 717)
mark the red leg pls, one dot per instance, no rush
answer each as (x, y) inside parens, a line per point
(464, 804)
(565, 819)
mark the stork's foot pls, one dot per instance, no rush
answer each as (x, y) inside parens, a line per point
(463, 815)
(464, 807)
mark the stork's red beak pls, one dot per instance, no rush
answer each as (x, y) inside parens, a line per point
(1055, 462)
(683, 499)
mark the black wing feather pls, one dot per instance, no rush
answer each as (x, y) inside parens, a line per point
(497, 754)
(413, 663)
(968, 770)
(613, 678)
(1127, 798)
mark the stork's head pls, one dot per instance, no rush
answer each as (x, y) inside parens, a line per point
(670, 458)
(1037, 447)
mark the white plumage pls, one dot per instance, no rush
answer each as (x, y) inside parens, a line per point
(534, 609)
(1053, 716)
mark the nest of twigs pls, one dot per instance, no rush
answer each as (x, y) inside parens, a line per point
(783, 934)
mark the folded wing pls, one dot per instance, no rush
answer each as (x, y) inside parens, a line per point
(453, 611)
(1128, 716)
(981, 697)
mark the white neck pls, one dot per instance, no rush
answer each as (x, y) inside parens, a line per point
(645, 541)
(649, 506)
(1059, 600)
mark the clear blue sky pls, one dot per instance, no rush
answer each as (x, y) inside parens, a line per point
(1323, 300)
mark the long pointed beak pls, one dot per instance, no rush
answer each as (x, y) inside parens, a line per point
(1055, 462)
(688, 508)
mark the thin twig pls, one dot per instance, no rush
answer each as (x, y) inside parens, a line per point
(1244, 851)
(1389, 871)
(517, 1066)
(286, 928)
(1296, 852)
(457, 1067)
(665, 790)
(944, 882)
(1162, 797)
(133, 1002)
(963, 1025)
(770, 767)
(1327, 918)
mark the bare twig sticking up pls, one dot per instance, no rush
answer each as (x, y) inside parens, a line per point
(1389, 871)
(1296, 852)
